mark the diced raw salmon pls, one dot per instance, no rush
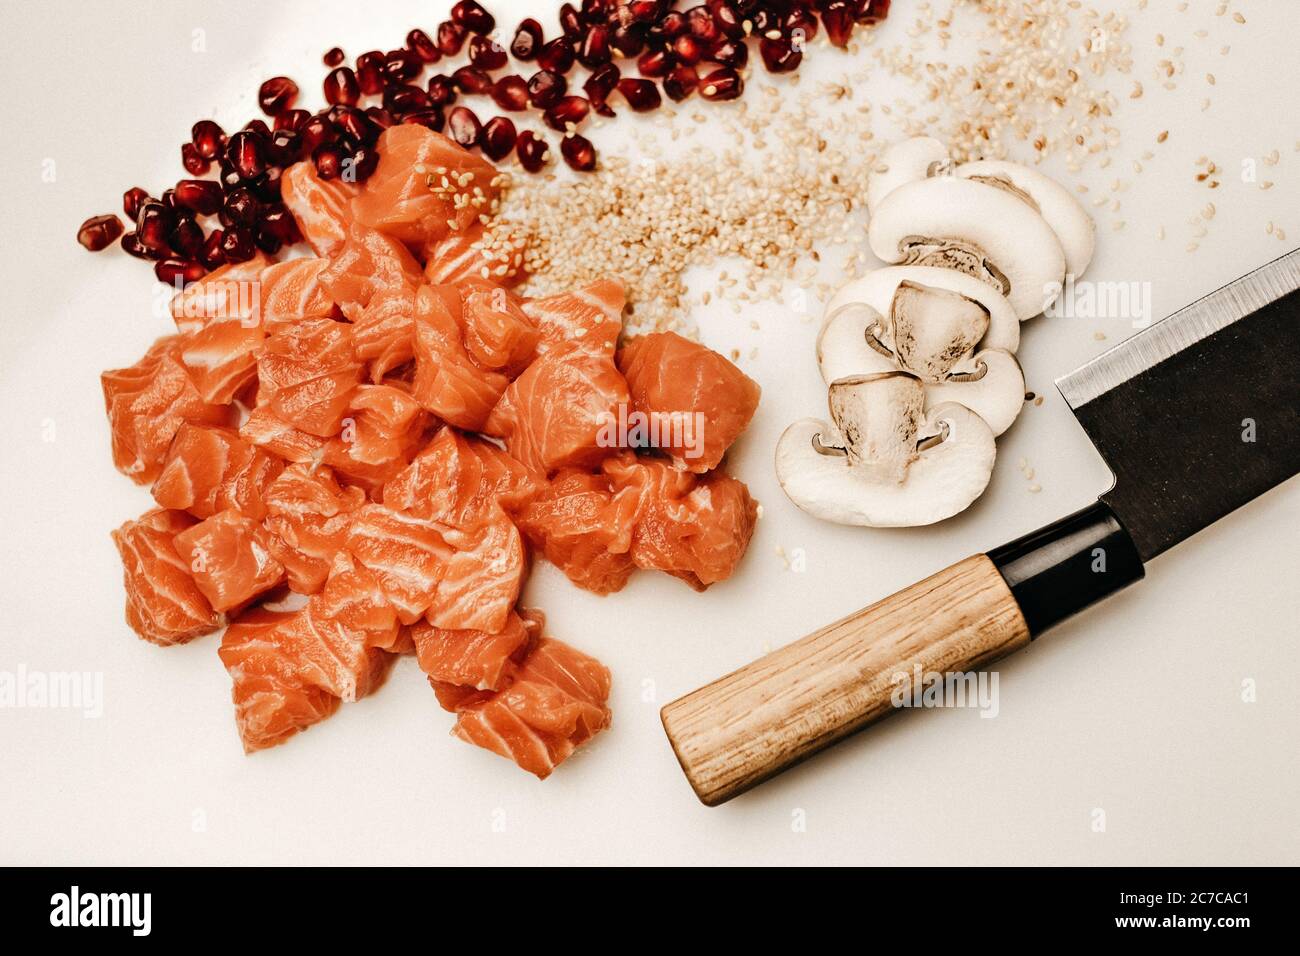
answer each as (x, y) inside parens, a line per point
(407, 554)
(292, 291)
(148, 403)
(320, 207)
(163, 604)
(229, 293)
(699, 402)
(210, 469)
(368, 263)
(381, 433)
(308, 517)
(384, 331)
(558, 413)
(555, 703)
(458, 256)
(481, 577)
(267, 431)
(307, 373)
(229, 556)
(589, 319)
(470, 658)
(415, 193)
(447, 380)
(496, 332)
(584, 528)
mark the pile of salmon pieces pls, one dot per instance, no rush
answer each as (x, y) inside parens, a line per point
(355, 455)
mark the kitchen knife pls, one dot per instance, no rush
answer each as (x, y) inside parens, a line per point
(1195, 415)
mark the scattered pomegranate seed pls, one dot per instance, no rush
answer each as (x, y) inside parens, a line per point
(681, 83)
(430, 119)
(724, 83)
(194, 164)
(278, 222)
(285, 147)
(186, 237)
(237, 244)
(730, 53)
(641, 95)
(527, 41)
(291, 119)
(208, 138)
(570, 21)
(498, 138)
(333, 56)
(688, 49)
(341, 86)
(473, 17)
(672, 24)
(727, 18)
(423, 46)
(486, 54)
(277, 95)
(873, 11)
(359, 167)
(442, 90)
(545, 88)
(646, 11)
(511, 93)
(557, 56)
(531, 150)
(379, 116)
(578, 152)
(778, 55)
(99, 232)
(401, 65)
(569, 109)
(211, 254)
(599, 85)
(329, 160)
(153, 224)
(132, 245)
(801, 27)
(469, 79)
(463, 126)
(451, 37)
(838, 20)
(240, 208)
(257, 126)
(627, 41)
(370, 72)
(655, 63)
(203, 196)
(179, 272)
(246, 153)
(594, 50)
(314, 132)
(132, 200)
(700, 22)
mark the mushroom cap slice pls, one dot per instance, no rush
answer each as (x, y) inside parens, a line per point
(903, 162)
(876, 290)
(944, 480)
(1075, 229)
(995, 392)
(843, 348)
(934, 329)
(877, 417)
(978, 229)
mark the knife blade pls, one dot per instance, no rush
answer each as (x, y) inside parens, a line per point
(1195, 416)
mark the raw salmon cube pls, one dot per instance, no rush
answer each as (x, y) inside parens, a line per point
(229, 293)
(307, 373)
(496, 331)
(481, 577)
(384, 331)
(230, 557)
(694, 402)
(320, 207)
(381, 433)
(308, 518)
(447, 381)
(459, 256)
(589, 319)
(292, 291)
(470, 658)
(210, 469)
(582, 527)
(408, 555)
(163, 604)
(367, 264)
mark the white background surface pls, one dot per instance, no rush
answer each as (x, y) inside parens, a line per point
(1134, 708)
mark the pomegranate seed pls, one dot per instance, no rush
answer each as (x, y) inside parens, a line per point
(511, 93)
(291, 119)
(727, 18)
(379, 116)
(359, 167)
(730, 53)
(277, 95)
(463, 126)
(329, 160)
(179, 272)
(599, 85)
(258, 127)
(277, 221)
(570, 109)
(681, 83)
(655, 63)
(430, 119)
(764, 20)
(837, 18)
(545, 88)
(187, 237)
(471, 80)
(646, 11)
(153, 224)
(801, 27)
(688, 49)
(578, 152)
(370, 72)
(400, 66)
(240, 208)
(570, 21)
(208, 138)
(486, 53)
(168, 198)
(556, 56)
(354, 123)
(212, 256)
(498, 138)
(593, 51)
(423, 46)
(99, 232)
(266, 187)
(132, 200)
(203, 196)
(442, 90)
(872, 11)
(237, 244)
(473, 17)
(406, 99)
(531, 150)
(699, 21)
(194, 164)
(285, 148)
(451, 37)
(778, 55)
(246, 153)
(341, 86)
(627, 41)
(641, 95)
(724, 83)
(597, 11)
(316, 131)
(527, 41)
(133, 246)
(333, 56)
(672, 24)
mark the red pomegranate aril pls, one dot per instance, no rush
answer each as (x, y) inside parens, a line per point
(486, 54)
(641, 95)
(527, 41)
(463, 126)
(699, 21)
(237, 244)
(187, 237)
(837, 18)
(211, 255)
(341, 86)
(353, 122)
(333, 56)
(593, 51)
(724, 83)
(257, 126)
(557, 56)
(285, 148)
(240, 207)
(291, 119)
(246, 153)
(442, 90)
(599, 85)
(277, 95)
(687, 49)
(569, 109)
(627, 41)
(406, 99)
(545, 88)
(316, 131)
(598, 11)
(578, 152)
(422, 45)
(277, 221)
(778, 55)
(655, 63)
(153, 224)
(511, 93)
(451, 37)
(473, 17)
(361, 165)
(672, 24)
(801, 27)
(731, 53)
(370, 72)
(872, 12)
(430, 119)
(194, 164)
(727, 18)
(132, 245)
(380, 117)
(132, 200)
(570, 21)
(203, 196)
(99, 232)
(266, 187)
(468, 79)
(681, 83)
(498, 138)
(329, 160)
(401, 65)
(646, 11)
(208, 138)
(179, 272)
(531, 150)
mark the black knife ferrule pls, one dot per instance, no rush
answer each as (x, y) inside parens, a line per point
(1061, 569)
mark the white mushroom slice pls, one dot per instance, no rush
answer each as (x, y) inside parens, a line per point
(989, 383)
(1069, 220)
(877, 417)
(977, 229)
(946, 477)
(904, 162)
(876, 289)
(850, 343)
(933, 329)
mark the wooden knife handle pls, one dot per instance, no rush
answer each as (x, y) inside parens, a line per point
(769, 715)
